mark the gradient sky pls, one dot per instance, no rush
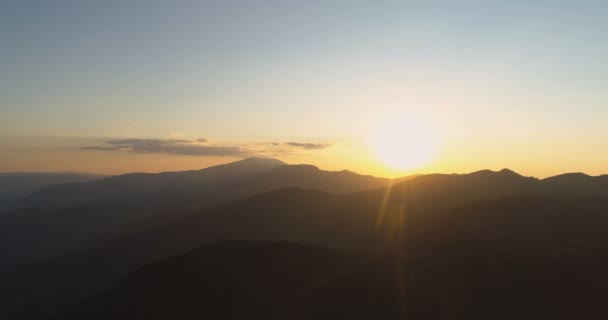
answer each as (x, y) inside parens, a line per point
(518, 84)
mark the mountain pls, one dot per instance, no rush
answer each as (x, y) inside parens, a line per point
(121, 187)
(266, 280)
(379, 220)
(14, 186)
(69, 216)
(229, 280)
(532, 224)
(294, 214)
(249, 176)
(576, 183)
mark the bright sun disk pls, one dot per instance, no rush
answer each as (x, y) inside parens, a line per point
(404, 144)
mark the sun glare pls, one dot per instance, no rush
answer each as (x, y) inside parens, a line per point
(404, 144)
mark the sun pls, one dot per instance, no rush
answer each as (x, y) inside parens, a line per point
(404, 145)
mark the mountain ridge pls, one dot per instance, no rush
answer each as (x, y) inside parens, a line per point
(293, 203)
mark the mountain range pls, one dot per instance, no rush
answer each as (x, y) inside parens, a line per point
(15, 186)
(72, 242)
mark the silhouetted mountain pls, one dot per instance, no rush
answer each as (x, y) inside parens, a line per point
(254, 280)
(230, 280)
(576, 183)
(68, 216)
(541, 225)
(310, 177)
(532, 257)
(378, 220)
(14, 186)
(119, 188)
(429, 195)
(295, 214)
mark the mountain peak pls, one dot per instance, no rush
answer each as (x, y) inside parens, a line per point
(503, 172)
(507, 171)
(569, 177)
(482, 172)
(250, 163)
(261, 160)
(301, 168)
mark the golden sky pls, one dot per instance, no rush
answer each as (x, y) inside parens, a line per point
(114, 87)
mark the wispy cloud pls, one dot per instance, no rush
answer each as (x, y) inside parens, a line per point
(272, 149)
(202, 147)
(170, 146)
(99, 148)
(309, 146)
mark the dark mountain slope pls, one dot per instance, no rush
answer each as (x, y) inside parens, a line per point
(69, 216)
(65, 217)
(576, 184)
(137, 202)
(131, 185)
(540, 257)
(310, 177)
(541, 224)
(380, 220)
(286, 214)
(230, 280)
(61, 248)
(524, 257)
(14, 186)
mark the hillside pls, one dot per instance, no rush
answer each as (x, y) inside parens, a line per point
(66, 217)
(15, 186)
(379, 220)
(257, 280)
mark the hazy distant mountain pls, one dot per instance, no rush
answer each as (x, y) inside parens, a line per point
(66, 216)
(14, 186)
(198, 188)
(124, 187)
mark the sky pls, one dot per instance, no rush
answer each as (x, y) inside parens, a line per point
(121, 86)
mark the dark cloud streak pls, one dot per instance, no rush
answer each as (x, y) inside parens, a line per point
(173, 146)
(201, 147)
(98, 148)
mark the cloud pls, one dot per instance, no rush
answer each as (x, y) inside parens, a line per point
(309, 146)
(273, 149)
(171, 146)
(202, 147)
(101, 148)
